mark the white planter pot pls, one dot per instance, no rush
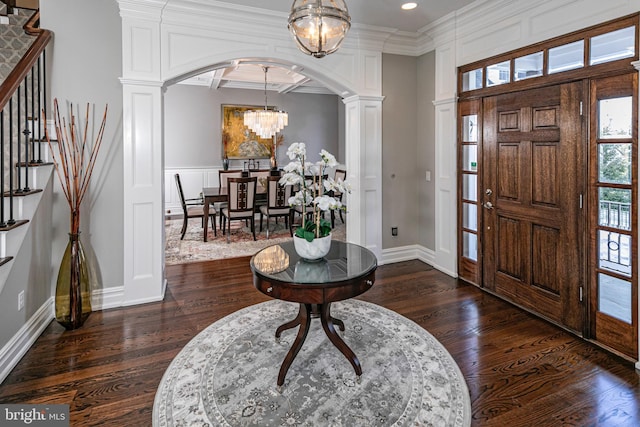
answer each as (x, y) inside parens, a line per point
(313, 250)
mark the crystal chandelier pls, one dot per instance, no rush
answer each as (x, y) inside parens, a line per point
(319, 26)
(266, 123)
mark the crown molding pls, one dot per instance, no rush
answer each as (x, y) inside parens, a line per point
(355, 98)
(148, 10)
(135, 82)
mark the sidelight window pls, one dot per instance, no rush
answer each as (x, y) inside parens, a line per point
(615, 247)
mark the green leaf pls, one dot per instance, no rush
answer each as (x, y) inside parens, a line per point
(300, 232)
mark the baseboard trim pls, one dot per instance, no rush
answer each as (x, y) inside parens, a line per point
(411, 252)
(22, 341)
(103, 299)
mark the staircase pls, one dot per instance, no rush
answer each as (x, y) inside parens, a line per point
(26, 186)
(14, 43)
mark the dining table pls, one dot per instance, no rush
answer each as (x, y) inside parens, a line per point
(218, 195)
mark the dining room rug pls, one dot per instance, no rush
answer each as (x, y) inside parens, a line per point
(226, 375)
(193, 247)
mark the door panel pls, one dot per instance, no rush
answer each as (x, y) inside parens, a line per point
(532, 152)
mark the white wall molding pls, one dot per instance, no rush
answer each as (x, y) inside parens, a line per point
(20, 343)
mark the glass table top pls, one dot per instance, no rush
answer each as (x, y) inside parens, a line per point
(344, 261)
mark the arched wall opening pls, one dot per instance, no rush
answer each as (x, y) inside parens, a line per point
(194, 105)
(161, 45)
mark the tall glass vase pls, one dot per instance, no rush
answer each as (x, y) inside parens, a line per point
(73, 288)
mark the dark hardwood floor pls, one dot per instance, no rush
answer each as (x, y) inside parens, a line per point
(521, 371)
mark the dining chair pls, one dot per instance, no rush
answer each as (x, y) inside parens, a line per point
(241, 199)
(193, 208)
(277, 203)
(340, 175)
(230, 173)
(261, 189)
(262, 175)
(223, 175)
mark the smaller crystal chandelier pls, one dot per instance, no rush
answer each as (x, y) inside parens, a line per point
(266, 123)
(319, 26)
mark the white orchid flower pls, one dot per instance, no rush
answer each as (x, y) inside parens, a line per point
(328, 158)
(312, 192)
(297, 150)
(290, 179)
(326, 203)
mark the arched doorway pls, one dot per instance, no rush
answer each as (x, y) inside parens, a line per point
(161, 46)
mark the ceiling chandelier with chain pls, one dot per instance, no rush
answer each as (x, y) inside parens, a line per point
(319, 26)
(266, 123)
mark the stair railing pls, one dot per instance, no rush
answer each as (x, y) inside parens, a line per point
(22, 97)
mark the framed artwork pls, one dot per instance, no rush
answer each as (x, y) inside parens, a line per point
(238, 141)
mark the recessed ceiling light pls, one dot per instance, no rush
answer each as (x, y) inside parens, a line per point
(409, 6)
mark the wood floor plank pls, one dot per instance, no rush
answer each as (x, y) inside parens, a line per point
(521, 370)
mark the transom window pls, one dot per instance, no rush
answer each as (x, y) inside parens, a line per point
(568, 53)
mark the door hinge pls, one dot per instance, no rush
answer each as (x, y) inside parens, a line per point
(581, 295)
(580, 107)
(580, 200)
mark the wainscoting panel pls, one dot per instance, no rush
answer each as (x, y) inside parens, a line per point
(192, 182)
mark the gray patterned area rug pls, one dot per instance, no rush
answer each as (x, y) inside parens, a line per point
(226, 375)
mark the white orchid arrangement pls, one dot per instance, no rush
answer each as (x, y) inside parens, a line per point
(315, 192)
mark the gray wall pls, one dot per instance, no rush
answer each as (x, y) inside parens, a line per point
(193, 127)
(399, 155)
(33, 262)
(408, 150)
(426, 145)
(84, 64)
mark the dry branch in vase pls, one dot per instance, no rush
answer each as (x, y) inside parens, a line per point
(73, 158)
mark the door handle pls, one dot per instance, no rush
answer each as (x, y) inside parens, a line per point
(488, 205)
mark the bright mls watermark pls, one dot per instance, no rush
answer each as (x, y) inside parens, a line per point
(34, 415)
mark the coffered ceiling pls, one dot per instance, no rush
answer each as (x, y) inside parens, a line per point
(364, 13)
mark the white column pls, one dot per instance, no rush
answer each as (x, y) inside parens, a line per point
(143, 199)
(445, 171)
(142, 115)
(363, 150)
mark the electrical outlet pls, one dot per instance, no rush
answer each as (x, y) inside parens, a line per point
(394, 231)
(428, 176)
(20, 300)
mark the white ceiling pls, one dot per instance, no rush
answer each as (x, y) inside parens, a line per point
(378, 13)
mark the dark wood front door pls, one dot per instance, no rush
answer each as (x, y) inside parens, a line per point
(532, 200)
